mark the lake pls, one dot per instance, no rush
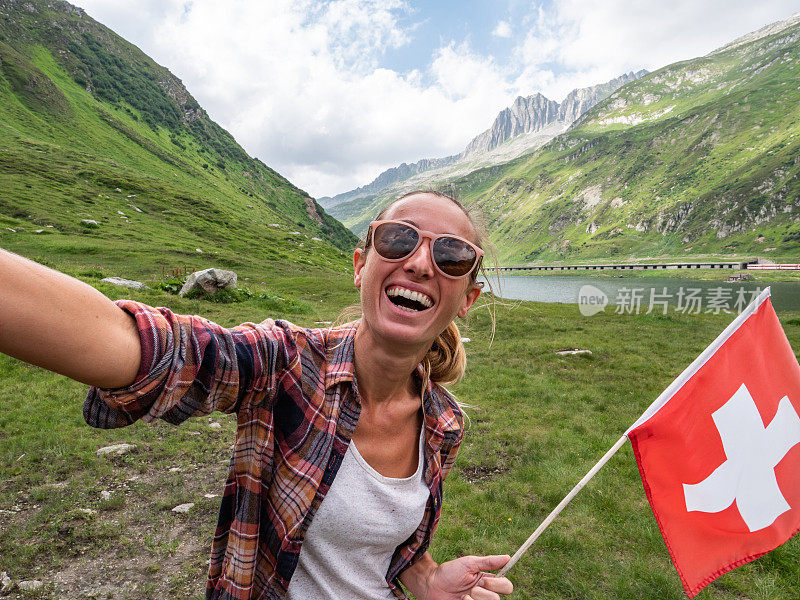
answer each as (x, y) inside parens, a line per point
(640, 294)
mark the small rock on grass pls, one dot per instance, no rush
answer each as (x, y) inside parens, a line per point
(210, 495)
(87, 511)
(215, 425)
(568, 351)
(30, 586)
(106, 495)
(5, 583)
(116, 449)
(183, 508)
(128, 283)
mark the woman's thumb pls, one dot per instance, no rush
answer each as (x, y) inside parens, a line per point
(491, 563)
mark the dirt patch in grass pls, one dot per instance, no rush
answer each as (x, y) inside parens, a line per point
(113, 535)
(481, 473)
(133, 547)
(170, 563)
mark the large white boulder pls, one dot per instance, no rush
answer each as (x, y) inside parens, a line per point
(209, 280)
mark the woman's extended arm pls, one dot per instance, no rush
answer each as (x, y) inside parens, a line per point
(57, 322)
(463, 578)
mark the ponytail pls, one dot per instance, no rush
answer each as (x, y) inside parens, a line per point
(446, 360)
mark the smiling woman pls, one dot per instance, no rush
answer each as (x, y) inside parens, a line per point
(345, 435)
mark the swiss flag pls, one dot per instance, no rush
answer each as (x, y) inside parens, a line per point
(719, 450)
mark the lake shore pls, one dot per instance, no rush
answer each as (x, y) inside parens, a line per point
(702, 274)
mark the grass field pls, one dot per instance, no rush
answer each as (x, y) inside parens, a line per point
(539, 421)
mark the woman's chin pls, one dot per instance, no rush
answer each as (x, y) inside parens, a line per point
(402, 326)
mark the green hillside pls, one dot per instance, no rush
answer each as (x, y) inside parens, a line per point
(700, 157)
(92, 129)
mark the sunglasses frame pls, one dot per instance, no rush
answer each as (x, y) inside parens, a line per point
(422, 234)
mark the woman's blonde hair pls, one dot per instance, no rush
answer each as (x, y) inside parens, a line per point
(446, 360)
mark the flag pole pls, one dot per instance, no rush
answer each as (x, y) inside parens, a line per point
(546, 523)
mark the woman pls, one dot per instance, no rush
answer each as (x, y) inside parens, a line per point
(350, 414)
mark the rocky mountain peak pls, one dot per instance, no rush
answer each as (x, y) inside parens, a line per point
(533, 113)
(527, 114)
(579, 101)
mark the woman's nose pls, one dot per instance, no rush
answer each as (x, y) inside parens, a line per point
(420, 263)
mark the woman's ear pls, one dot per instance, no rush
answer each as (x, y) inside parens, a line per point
(359, 258)
(469, 300)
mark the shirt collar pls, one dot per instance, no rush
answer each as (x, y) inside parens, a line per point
(340, 350)
(440, 411)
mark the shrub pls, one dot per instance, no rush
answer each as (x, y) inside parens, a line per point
(265, 300)
(221, 296)
(171, 286)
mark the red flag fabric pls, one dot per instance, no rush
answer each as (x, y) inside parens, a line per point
(719, 450)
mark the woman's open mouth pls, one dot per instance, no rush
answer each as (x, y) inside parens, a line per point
(407, 299)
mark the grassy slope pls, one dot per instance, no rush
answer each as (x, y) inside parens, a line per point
(65, 152)
(697, 158)
(717, 173)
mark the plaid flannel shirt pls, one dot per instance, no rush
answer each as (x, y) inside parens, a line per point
(297, 404)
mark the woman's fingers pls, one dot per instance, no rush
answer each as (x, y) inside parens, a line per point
(501, 585)
(490, 588)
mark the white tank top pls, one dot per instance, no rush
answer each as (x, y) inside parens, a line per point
(362, 520)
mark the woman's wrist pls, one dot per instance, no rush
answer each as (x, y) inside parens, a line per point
(418, 577)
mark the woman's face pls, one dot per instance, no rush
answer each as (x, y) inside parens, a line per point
(380, 281)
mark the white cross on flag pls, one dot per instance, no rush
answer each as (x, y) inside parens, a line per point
(719, 450)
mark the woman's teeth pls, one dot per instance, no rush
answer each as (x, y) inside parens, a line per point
(409, 300)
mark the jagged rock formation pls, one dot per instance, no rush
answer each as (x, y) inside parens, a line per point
(581, 100)
(536, 112)
(525, 116)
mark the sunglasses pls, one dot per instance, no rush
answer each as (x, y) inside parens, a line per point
(453, 256)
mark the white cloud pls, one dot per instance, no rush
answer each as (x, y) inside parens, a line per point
(503, 30)
(299, 83)
(585, 42)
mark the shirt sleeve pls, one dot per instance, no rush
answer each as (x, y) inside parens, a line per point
(191, 366)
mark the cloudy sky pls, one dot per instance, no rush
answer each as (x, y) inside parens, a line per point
(331, 93)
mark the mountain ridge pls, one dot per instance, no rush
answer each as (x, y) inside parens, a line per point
(526, 115)
(698, 157)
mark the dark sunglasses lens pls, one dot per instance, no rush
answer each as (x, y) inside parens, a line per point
(393, 240)
(454, 256)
